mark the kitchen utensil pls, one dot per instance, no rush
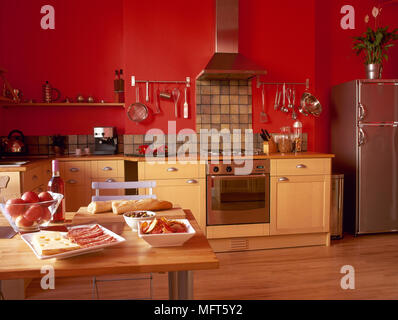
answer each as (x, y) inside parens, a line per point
(15, 143)
(311, 104)
(263, 135)
(147, 91)
(294, 115)
(276, 103)
(288, 94)
(157, 97)
(279, 99)
(267, 134)
(186, 105)
(263, 115)
(283, 97)
(48, 93)
(165, 95)
(138, 111)
(176, 97)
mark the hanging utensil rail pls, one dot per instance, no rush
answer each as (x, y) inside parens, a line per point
(187, 81)
(306, 83)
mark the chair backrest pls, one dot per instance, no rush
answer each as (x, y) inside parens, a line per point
(97, 186)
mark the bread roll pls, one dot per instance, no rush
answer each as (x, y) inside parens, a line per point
(120, 207)
(99, 206)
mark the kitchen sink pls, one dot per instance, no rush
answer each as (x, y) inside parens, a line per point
(12, 163)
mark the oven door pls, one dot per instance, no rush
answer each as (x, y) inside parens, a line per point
(237, 199)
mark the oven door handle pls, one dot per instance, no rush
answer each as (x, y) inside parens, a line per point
(254, 176)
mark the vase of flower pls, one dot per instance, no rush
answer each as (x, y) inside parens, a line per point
(373, 45)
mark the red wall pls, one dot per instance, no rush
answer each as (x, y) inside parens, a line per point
(170, 40)
(78, 57)
(280, 37)
(166, 40)
(336, 62)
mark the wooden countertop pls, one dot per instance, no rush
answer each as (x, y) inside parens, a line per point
(35, 162)
(133, 256)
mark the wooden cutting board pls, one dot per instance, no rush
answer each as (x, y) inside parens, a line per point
(82, 216)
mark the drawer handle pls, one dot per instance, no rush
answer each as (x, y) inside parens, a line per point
(107, 169)
(172, 169)
(71, 181)
(110, 180)
(301, 166)
(49, 172)
(35, 177)
(74, 169)
(282, 179)
(192, 181)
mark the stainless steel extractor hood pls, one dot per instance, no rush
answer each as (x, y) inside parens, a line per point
(227, 63)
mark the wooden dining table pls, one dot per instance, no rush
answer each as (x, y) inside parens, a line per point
(134, 256)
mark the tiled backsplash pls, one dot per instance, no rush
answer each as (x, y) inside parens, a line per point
(132, 142)
(42, 145)
(223, 104)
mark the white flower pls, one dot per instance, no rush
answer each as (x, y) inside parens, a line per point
(375, 12)
(366, 18)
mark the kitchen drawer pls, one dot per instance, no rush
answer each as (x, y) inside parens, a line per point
(32, 178)
(282, 167)
(75, 181)
(74, 170)
(156, 171)
(107, 169)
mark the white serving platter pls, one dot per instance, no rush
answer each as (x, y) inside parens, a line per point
(27, 237)
(168, 239)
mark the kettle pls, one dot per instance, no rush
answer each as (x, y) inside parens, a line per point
(15, 142)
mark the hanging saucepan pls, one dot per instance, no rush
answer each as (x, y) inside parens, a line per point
(310, 105)
(137, 111)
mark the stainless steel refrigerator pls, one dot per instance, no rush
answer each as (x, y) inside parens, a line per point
(364, 138)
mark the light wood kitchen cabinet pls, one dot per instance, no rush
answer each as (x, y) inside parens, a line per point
(78, 176)
(300, 196)
(34, 178)
(181, 184)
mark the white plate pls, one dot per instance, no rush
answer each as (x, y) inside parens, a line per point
(27, 237)
(168, 239)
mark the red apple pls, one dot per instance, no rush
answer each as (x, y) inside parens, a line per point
(21, 222)
(46, 215)
(15, 207)
(34, 213)
(30, 197)
(45, 196)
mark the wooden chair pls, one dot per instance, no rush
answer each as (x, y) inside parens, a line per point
(97, 186)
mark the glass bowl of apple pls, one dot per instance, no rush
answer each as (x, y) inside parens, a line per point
(31, 211)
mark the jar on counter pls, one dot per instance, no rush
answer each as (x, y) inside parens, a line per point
(285, 141)
(298, 136)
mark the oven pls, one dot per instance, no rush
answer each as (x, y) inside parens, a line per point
(238, 199)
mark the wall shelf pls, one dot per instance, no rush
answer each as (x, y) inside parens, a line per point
(62, 104)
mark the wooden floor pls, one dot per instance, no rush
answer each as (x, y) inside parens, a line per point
(294, 273)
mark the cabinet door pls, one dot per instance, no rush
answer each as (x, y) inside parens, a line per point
(76, 196)
(187, 193)
(300, 204)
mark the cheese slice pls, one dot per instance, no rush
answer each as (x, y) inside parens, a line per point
(52, 242)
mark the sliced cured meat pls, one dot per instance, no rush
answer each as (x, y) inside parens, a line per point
(78, 232)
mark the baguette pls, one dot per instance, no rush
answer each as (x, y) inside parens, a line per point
(120, 207)
(99, 206)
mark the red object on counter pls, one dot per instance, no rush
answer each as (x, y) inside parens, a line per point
(56, 184)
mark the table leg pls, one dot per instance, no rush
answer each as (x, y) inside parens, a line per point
(181, 285)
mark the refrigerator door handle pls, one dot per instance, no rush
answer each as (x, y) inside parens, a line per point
(361, 112)
(361, 139)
